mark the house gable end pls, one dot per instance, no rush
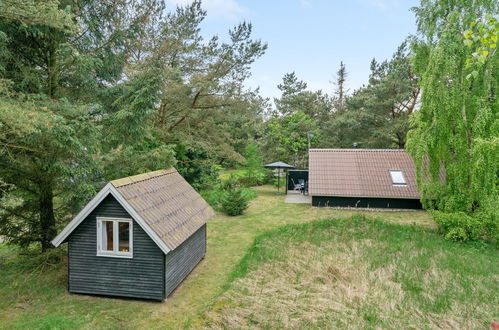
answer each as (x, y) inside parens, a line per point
(108, 189)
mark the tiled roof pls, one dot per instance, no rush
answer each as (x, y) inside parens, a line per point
(167, 203)
(360, 173)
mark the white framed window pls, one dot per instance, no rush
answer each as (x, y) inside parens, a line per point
(114, 237)
(398, 178)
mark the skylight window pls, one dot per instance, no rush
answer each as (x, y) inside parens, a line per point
(398, 178)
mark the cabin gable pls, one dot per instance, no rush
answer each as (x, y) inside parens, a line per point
(142, 276)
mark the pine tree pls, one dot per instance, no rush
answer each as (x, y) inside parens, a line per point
(341, 90)
(58, 61)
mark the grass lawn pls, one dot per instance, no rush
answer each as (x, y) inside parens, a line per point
(225, 174)
(38, 297)
(359, 273)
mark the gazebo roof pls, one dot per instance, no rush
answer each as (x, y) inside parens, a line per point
(278, 165)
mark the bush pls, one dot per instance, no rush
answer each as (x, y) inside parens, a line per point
(460, 226)
(214, 197)
(251, 180)
(234, 202)
(224, 194)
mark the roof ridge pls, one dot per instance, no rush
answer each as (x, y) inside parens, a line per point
(141, 177)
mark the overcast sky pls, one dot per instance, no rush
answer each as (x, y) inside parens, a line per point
(311, 37)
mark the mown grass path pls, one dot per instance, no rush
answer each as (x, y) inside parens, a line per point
(37, 298)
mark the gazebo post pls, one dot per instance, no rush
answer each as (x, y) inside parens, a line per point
(286, 182)
(278, 178)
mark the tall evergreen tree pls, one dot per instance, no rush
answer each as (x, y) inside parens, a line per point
(376, 115)
(341, 90)
(58, 60)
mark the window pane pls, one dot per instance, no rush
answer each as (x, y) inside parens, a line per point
(107, 235)
(124, 236)
(397, 177)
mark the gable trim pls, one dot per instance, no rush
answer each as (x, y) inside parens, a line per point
(109, 189)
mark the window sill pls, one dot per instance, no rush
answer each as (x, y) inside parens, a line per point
(115, 255)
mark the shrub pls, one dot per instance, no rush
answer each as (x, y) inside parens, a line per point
(234, 202)
(460, 226)
(251, 180)
(225, 192)
(214, 197)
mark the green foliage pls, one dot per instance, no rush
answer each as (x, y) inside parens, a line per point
(455, 140)
(234, 202)
(33, 12)
(197, 166)
(56, 62)
(96, 90)
(482, 37)
(376, 116)
(286, 138)
(296, 98)
(460, 226)
(254, 173)
(130, 160)
(46, 149)
(201, 101)
(341, 90)
(230, 192)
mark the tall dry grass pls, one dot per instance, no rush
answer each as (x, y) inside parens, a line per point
(323, 280)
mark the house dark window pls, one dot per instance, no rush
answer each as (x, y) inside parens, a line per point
(124, 237)
(114, 237)
(107, 235)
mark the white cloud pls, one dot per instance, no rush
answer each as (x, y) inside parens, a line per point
(225, 9)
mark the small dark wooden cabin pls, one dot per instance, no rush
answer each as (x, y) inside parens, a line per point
(364, 178)
(139, 237)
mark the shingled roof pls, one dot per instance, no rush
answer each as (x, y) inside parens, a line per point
(167, 203)
(162, 202)
(361, 173)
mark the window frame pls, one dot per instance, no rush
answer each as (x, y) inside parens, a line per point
(115, 253)
(399, 184)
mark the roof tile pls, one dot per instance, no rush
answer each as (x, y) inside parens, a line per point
(167, 203)
(360, 173)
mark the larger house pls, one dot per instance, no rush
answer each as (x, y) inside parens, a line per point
(367, 178)
(139, 237)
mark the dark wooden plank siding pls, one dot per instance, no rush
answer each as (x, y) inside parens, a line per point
(141, 276)
(181, 261)
(366, 202)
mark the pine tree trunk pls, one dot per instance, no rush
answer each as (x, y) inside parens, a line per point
(52, 70)
(47, 218)
(401, 140)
